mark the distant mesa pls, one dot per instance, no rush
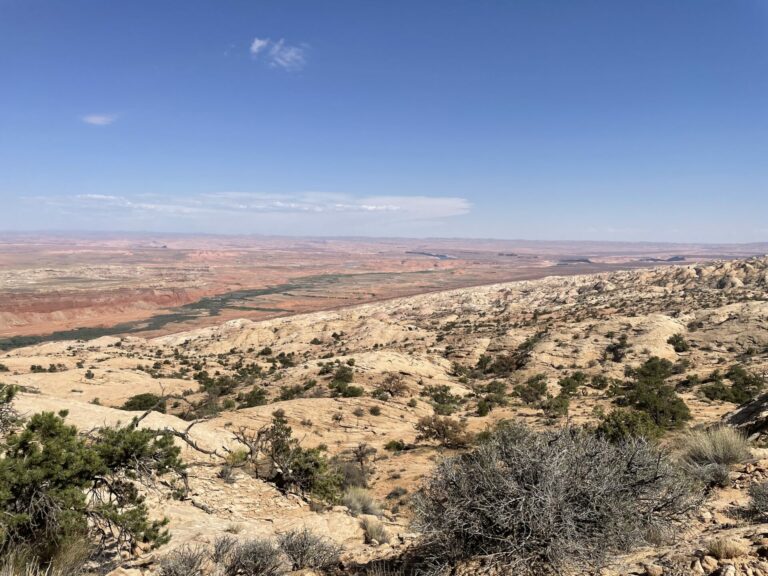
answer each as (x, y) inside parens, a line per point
(432, 255)
(670, 259)
(566, 261)
(516, 255)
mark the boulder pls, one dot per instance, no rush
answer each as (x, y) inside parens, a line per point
(752, 417)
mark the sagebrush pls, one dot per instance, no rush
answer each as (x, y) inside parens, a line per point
(542, 501)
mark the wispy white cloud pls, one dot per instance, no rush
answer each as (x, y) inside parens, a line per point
(279, 54)
(258, 45)
(300, 213)
(99, 119)
(287, 57)
(251, 202)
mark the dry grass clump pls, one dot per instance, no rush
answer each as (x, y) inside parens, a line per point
(757, 508)
(718, 445)
(184, 561)
(545, 501)
(307, 550)
(69, 560)
(257, 557)
(708, 454)
(374, 531)
(222, 548)
(724, 549)
(359, 501)
(11, 566)
(383, 568)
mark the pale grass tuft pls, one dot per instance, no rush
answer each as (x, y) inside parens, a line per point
(374, 531)
(359, 501)
(720, 445)
(724, 549)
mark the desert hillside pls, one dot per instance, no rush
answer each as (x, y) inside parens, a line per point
(361, 382)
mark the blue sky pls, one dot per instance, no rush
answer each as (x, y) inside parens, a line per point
(572, 119)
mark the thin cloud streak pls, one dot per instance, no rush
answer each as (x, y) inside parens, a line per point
(99, 119)
(402, 207)
(247, 212)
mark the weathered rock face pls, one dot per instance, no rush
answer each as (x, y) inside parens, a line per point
(752, 417)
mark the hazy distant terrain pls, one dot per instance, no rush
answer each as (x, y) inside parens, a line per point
(90, 285)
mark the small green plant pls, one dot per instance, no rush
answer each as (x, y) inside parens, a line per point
(679, 343)
(395, 446)
(617, 350)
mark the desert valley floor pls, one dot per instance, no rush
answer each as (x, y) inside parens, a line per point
(468, 353)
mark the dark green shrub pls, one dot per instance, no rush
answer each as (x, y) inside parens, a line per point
(256, 397)
(678, 343)
(556, 406)
(446, 431)
(623, 424)
(345, 390)
(47, 471)
(533, 390)
(745, 386)
(395, 446)
(145, 401)
(344, 374)
(294, 468)
(571, 384)
(392, 386)
(291, 392)
(648, 392)
(617, 350)
(599, 382)
(443, 401)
